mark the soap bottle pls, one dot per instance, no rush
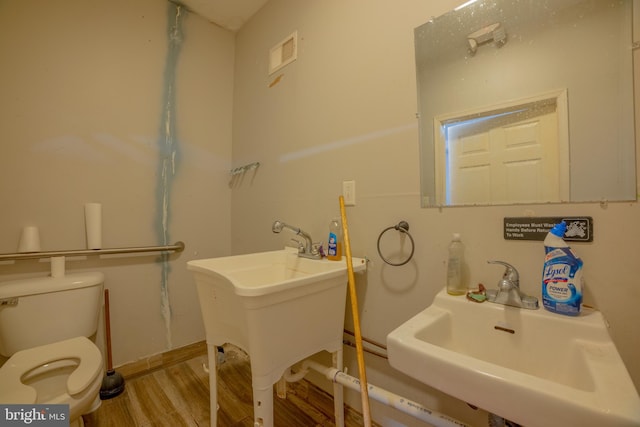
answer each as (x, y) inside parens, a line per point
(562, 274)
(334, 246)
(455, 267)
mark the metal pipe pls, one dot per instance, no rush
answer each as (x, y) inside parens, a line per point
(386, 397)
(365, 339)
(365, 349)
(177, 247)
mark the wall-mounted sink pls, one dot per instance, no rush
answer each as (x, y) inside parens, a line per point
(530, 366)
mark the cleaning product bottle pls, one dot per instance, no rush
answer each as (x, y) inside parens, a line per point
(455, 281)
(561, 275)
(334, 247)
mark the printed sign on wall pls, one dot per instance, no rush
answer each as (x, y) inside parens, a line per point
(579, 229)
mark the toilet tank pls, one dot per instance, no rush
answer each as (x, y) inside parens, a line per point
(43, 310)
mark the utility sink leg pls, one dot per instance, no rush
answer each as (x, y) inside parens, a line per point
(263, 407)
(338, 390)
(212, 356)
(281, 386)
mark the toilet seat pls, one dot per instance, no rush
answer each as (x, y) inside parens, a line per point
(79, 348)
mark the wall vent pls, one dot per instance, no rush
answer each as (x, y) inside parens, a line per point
(283, 53)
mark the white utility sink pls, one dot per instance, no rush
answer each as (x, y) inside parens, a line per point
(532, 367)
(278, 307)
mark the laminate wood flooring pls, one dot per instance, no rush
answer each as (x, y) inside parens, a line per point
(178, 395)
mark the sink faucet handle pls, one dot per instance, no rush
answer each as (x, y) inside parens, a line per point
(510, 273)
(316, 248)
(299, 244)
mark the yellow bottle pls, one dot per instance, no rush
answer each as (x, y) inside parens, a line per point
(334, 246)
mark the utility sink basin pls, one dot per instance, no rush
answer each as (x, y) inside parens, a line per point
(278, 307)
(533, 367)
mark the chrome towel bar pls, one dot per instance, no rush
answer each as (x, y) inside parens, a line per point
(176, 247)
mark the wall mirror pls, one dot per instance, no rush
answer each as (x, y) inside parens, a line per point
(526, 101)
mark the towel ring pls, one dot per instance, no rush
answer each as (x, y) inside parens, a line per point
(402, 227)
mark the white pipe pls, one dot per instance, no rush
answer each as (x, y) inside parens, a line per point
(295, 377)
(383, 396)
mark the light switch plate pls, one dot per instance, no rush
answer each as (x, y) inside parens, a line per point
(349, 192)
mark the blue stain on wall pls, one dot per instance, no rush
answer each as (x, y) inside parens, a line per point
(168, 156)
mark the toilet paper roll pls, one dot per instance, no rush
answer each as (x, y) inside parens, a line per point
(57, 266)
(29, 240)
(93, 225)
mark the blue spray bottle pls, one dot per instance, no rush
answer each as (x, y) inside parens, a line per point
(562, 274)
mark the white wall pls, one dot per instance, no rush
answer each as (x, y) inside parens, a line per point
(346, 110)
(82, 87)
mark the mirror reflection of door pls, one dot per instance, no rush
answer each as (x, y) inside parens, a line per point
(583, 46)
(504, 155)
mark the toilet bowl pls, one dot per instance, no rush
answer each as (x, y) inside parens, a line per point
(46, 329)
(65, 372)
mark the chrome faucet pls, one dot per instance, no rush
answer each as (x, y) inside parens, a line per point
(508, 292)
(309, 249)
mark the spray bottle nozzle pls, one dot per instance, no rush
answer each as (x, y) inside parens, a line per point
(559, 229)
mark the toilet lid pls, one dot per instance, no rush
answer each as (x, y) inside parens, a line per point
(81, 348)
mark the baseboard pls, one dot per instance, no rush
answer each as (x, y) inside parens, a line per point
(162, 360)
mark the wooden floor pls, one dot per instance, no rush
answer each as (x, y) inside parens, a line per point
(178, 395)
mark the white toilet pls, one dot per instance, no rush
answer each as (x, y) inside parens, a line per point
(45, 329)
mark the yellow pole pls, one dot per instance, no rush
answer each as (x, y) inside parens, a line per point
(364, 392)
